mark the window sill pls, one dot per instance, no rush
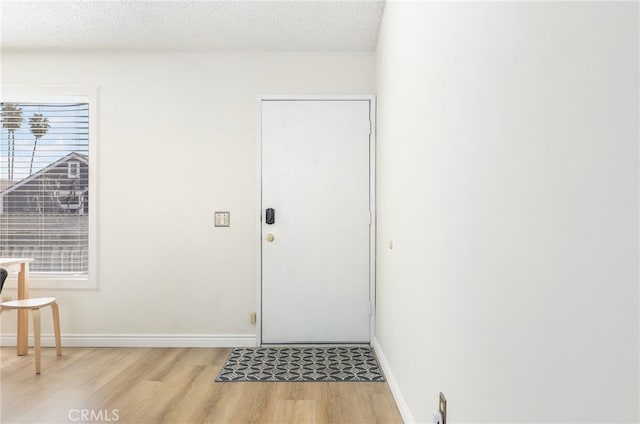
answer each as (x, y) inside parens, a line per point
(52, 282)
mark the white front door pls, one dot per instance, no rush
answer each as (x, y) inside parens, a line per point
(316, 253)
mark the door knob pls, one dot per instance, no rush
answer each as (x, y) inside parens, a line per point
(270, 237)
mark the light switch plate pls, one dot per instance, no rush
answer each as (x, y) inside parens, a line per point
(222, 219)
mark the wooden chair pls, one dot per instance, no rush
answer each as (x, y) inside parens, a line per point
(35, 304)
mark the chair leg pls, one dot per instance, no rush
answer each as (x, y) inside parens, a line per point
(56, 327)
(36, 336)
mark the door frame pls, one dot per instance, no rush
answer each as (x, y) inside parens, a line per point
(372, 199)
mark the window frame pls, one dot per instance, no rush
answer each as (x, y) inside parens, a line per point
(61, 94)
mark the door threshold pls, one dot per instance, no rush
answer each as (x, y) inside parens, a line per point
(325, 344)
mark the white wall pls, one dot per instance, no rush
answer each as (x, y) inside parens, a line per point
(508, 183)
(177, 142)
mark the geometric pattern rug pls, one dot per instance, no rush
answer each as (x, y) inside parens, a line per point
(301, 363)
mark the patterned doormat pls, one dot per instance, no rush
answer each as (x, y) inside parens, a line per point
(313, 363)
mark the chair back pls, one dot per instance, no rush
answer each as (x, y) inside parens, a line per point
(3, 276)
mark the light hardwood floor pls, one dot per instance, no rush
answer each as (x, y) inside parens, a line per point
(172, 385)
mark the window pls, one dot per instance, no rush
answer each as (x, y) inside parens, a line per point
(73, 169)
(47, 189)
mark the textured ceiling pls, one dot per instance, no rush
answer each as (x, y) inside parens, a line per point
(300, 25)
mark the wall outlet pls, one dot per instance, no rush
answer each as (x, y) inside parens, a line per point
(222, 219)
(253, 317)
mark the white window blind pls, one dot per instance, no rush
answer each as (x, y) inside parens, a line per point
(44, 185)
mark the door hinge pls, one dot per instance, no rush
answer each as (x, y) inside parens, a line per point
(370, 127)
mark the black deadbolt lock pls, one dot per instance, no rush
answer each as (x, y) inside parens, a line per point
(270, 217)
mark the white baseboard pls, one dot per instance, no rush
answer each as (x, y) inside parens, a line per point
(407, 417)
(141, 340)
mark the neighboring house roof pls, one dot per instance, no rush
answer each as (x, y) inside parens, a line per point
(73, 155)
